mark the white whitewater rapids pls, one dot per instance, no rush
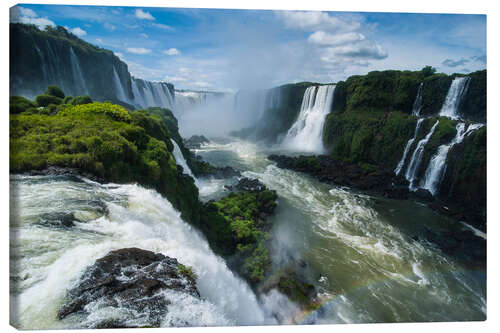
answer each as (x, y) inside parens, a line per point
(49, 260)
(307, 131)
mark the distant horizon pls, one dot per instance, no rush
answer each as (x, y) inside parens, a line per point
(225, 50)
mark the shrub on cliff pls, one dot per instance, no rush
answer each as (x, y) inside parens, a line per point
(236, 226)
(46, 100)
(18, 104)
(54, 91)
(105, 140)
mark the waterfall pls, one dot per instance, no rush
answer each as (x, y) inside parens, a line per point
(78, 78)
(416, 158)
(437, 166)
(454, 97)
(179, 158)
(151, 94)
(138, 97)
(137, 217)
(188, 100)
(417, 105)
(120, 92)
(306, 133)
(401, 163)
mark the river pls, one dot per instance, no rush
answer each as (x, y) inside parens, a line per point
(362, 252)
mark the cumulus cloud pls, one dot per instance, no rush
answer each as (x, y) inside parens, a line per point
(338, 43)
(455, 63)
(324, 38)
(368, 50)
(143, 15)
(172, 51)
(138, 50)
(314, 20)
(120, 55)
(79, 32)
(20, 14)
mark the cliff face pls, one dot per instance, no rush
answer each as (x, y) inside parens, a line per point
(54, 56)
(372, 120)
(280, 108)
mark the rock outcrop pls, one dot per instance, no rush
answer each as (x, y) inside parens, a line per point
(133, 279)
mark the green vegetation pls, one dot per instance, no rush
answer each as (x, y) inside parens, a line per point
(106, 140)
(370, 137)
(297, 291)
(187, 271)
(236, 226)
(54, 91)
(46, 100)
(18, 104)
(473, 106)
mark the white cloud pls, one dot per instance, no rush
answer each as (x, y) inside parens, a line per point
(120, 55)
(99, 40)
(144, 35)
(315, 20)
(365, 50)
(20, 14)
(163, 26)
(138, 50)
(172, 51)
(327, 39)
(79, 32)
(143, 15)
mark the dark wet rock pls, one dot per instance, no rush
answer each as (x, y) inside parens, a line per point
(72, 173)
(326, 169)
(195, 141)
(463, 245)
(57, 219)
(247, 185)
(131, 278)
(423, 195)
(205, 169)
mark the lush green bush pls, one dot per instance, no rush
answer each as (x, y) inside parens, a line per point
(370, 137)
(46, 100)
(236, 226)
(113, 111)
(78, 100)
(103, 139)
(18, 104)
(54, 91)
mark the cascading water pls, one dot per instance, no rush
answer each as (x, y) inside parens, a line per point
(437, 166)
(417, 105)
(179, 158)
(457, 90)
(120, 92)
(48, 259)
(151, 94)
(306, 133)
(416, 158)
(401, 163)
(79, 80)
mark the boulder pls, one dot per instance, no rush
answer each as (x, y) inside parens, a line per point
(195, 141)
(129, 278)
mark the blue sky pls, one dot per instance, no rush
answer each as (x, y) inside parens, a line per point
(213, 49)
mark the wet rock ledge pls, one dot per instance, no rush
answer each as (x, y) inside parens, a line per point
(133, 279)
